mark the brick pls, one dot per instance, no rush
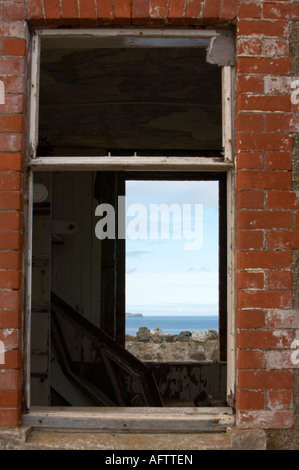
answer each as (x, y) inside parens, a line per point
(211, 9)
(11, 240)
(250, 160)
(264, 219)
(278, 160)
(249, 280)
(13, 104)
(11, 340)
(263, 141)
(10, 260)
(34, 9)
(12, 66)
(250, 84)
(282, 360)
(264, 260)
(276, 47)
(263, 65)
(13, 29)
(140, 11)
(264, 103)
(250, 400)
(249, 47)
(278, 280)
(52, 10)
(277, 84)
(11, 161)
(122, 11)
(266, 419)
(250, 199)
(264, 180)
(11, 220)
(176, 11)
(229, 9)
(250, 318)
(283, 319)
(87, 11)
(247, 359)
(14, 12)
(10, 318)
(10, 279)
(11, 123)
(10, 299)
(264, 339)
(13, 359)
(70, 11)
(249, 122)
(262, 28)
(286, 240)
(14, 47)
(11, 142)
(250, 239)
(158, 11)
(280, 11)
(281, 122)
(10, 399)
(13, 84)
(249, 10)
(265, 379)
(9, 380)
(264, 299)
(11, 200)
(10, 418)
(10, 181)
(105, 10)
(280, 399)
(193, 9)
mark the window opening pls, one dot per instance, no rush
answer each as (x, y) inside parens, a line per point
(115, 101)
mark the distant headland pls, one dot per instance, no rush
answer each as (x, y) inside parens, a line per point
(134, 315)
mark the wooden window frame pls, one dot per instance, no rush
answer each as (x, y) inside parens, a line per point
(179, 419)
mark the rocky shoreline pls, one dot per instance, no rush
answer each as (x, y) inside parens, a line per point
(154, 346)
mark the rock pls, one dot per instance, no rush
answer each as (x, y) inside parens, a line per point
(183, 336)
(212, 334)
(143, 334)
(199, 336)
(156, 335)
(169, 338)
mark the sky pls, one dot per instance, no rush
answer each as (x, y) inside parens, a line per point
(177, 275)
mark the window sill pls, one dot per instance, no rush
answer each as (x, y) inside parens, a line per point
(131, 419)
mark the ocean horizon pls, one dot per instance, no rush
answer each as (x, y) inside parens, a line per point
(172, 324)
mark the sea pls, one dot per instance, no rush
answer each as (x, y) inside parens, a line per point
(172, 324)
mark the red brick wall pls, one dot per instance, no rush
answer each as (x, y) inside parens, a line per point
(267, 208)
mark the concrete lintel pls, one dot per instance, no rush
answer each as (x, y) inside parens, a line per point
(221, 50)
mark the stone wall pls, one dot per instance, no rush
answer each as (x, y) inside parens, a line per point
(153, 345)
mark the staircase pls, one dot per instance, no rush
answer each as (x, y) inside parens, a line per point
(104, 383)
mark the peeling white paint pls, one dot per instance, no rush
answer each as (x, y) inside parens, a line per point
(2, 92)
(7, 332)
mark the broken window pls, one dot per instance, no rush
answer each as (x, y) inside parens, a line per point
(103, 105)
